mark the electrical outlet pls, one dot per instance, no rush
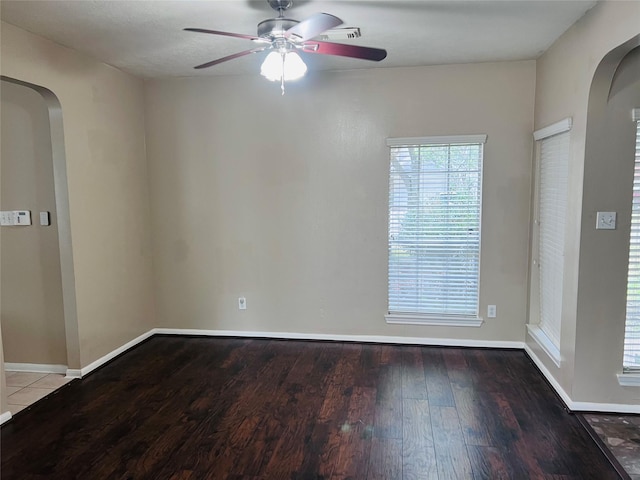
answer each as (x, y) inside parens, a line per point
(242, 303)
(491, 311)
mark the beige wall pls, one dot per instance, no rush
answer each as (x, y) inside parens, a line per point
(4, 402)
(590, 329)
(608, 180)
(284, 199)
(103, 120)
(32, 311)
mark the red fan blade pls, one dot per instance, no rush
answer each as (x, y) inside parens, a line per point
(227, 34)
(312, 27)
(353, 51)
(230, 57)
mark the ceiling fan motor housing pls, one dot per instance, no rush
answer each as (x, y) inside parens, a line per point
(275, 27)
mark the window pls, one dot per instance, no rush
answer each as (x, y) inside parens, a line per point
(631, 361)
(551, 212)
(435, 192)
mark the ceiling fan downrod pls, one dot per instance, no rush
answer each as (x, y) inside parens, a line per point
(280, 6)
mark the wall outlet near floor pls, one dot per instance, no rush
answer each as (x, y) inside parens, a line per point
(242, 303)
(491, 311)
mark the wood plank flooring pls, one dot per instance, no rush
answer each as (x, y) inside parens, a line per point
(191, 408)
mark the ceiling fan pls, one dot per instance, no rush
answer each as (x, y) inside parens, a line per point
(284, 37)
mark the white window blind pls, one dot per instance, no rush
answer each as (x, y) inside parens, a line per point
(552, 207)
(434, 226)
(631, 359)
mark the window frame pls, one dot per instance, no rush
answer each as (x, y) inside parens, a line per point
(633, 370)
(440, 319)
(533, 326)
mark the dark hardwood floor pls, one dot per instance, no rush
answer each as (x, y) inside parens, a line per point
(210, 408)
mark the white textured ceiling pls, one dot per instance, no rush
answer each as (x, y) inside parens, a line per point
(145, 37)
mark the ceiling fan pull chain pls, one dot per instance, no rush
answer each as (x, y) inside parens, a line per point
(282, 78)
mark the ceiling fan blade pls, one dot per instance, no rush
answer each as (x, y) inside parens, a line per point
(230, 57)
(312, 27)
(227, 34)
(353, 51)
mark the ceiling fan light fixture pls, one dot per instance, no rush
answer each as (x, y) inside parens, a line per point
(294, 67)
(287, 66)
(271, 68)
(282, 37)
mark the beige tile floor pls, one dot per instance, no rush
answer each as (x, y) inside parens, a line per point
(25, 388)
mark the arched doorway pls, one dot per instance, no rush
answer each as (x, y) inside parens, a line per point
(52, 245)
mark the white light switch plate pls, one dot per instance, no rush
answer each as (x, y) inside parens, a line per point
(22, 217)
(606, 221)
(44, 219)
(15, 217)
(6, 218)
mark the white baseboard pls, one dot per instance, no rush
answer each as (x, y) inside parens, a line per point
(579, 406)
(5, 417)
(109, 356)
(604, 407)
(448, 342)
(550, 378)
(35, 368)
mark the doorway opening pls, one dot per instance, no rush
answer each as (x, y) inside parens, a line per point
(37, 303)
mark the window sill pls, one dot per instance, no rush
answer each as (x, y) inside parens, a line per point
(629, 379)
(435, 320)
(545, 343)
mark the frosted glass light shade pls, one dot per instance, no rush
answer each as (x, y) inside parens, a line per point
(272, 67)
(294, 67)
(278, 64)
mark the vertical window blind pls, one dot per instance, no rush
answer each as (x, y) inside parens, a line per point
(434, 225)
(631, 359)
(552, 207)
